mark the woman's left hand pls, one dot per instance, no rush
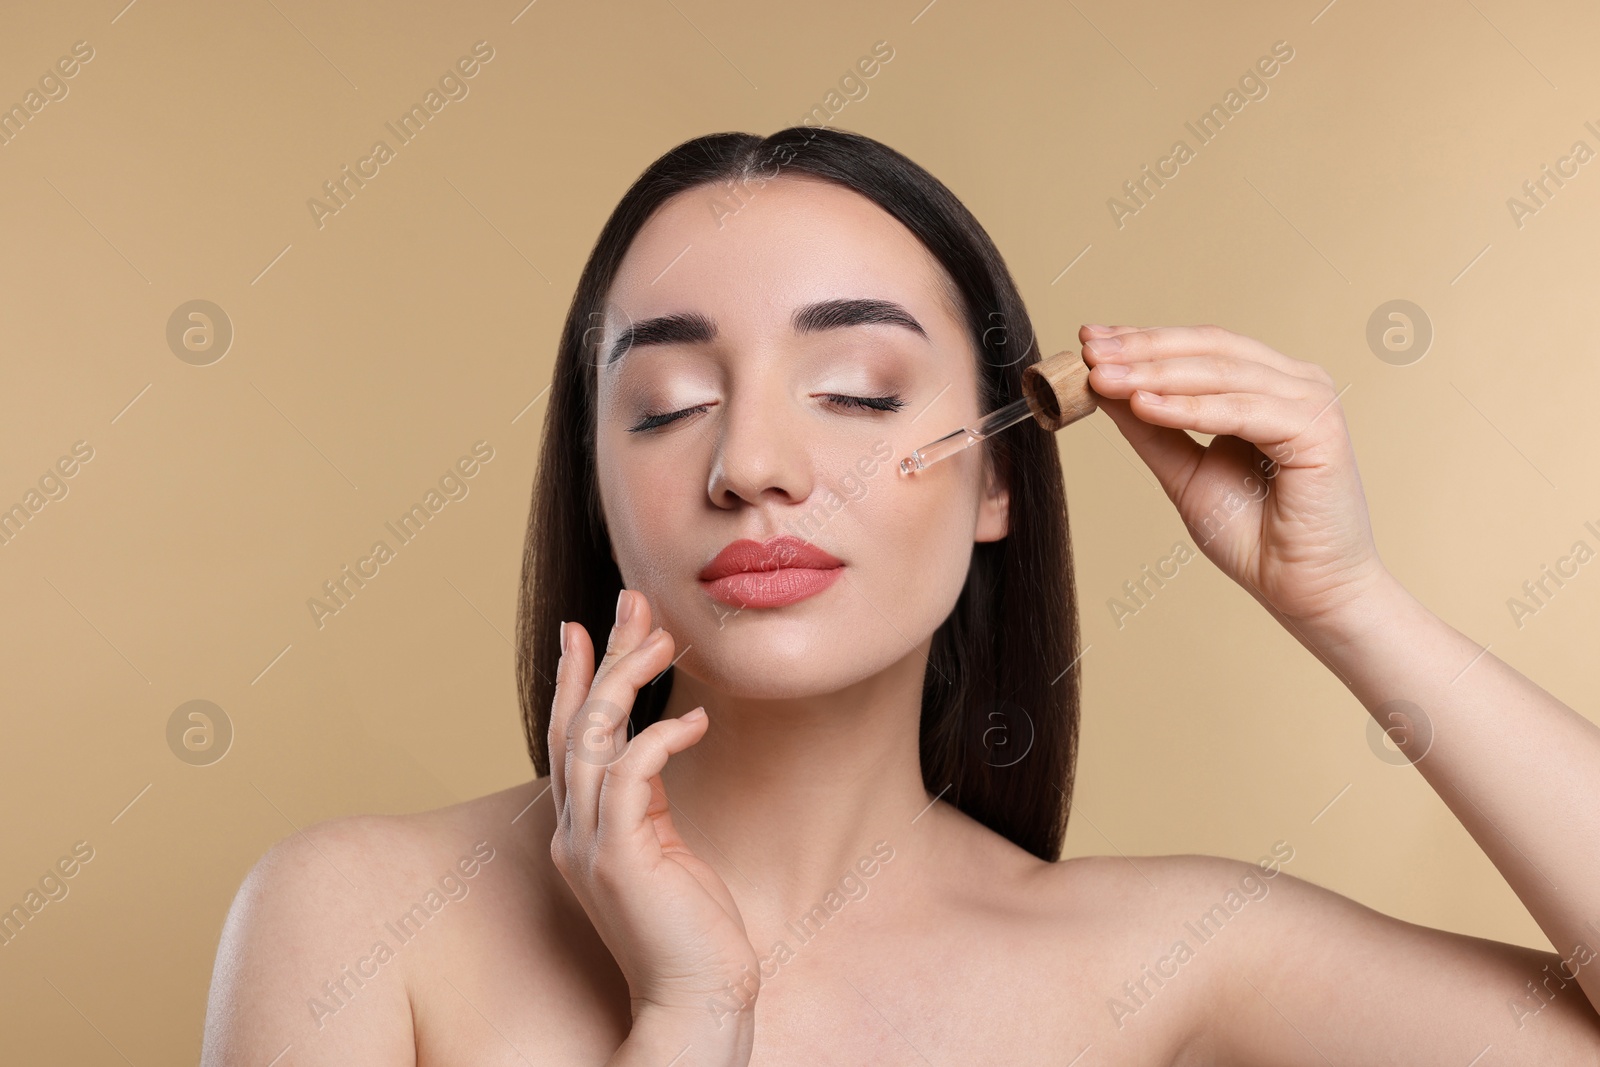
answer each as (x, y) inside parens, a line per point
(1274, 499)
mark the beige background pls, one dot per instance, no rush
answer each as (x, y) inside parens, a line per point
(370, 353)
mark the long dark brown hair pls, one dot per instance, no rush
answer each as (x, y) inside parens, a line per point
(999, 731)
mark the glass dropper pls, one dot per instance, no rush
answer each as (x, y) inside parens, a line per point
(1055, 393)
(964, 438)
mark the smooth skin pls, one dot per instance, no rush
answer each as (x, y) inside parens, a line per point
(609, 920)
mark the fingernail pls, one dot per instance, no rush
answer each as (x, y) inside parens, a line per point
(624, 607)
(1149, 398)
(563, 639)
(695, 716)
(1112, 370)
(654, 636)
(1101, 345)
(1096, 328)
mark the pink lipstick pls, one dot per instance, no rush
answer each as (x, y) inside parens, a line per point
(782, 570)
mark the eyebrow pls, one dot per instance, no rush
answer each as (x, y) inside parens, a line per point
(689, 328)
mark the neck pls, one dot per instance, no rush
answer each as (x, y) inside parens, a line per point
(783, 798)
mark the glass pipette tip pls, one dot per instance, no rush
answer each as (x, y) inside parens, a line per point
(965, 437)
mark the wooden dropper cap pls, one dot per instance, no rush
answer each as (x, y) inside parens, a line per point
(1058, 390)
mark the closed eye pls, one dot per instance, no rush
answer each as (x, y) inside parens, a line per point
(876, 403)
(654, 420)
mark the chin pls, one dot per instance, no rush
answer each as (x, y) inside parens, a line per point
(759, 676)
(807, 649)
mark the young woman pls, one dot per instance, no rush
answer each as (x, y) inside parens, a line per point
(778, 827)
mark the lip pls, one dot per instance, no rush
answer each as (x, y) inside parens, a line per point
(782, 570)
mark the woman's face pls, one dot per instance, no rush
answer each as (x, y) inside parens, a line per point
(730, 425)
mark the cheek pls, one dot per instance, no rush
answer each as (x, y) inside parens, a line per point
(913, 537)
(644, 500)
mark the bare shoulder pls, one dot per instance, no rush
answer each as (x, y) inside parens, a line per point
(1094, 933)
(1281, 970)
(1141, 904)
(319, 944)
(1141, 931)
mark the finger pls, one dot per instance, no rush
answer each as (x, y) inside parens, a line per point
(631, 627)
(1265, 421)
(1161, 342)
(1170, 453)
(1196, 375)
(603, 724)
(628, 794)
(1089, 330)
(573, 671)
(575, 680)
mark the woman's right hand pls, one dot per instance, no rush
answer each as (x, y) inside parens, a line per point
(666, 916)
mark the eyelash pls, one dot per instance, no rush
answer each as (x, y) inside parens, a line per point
(891, 402)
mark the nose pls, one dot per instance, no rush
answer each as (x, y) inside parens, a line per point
(761, 454)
